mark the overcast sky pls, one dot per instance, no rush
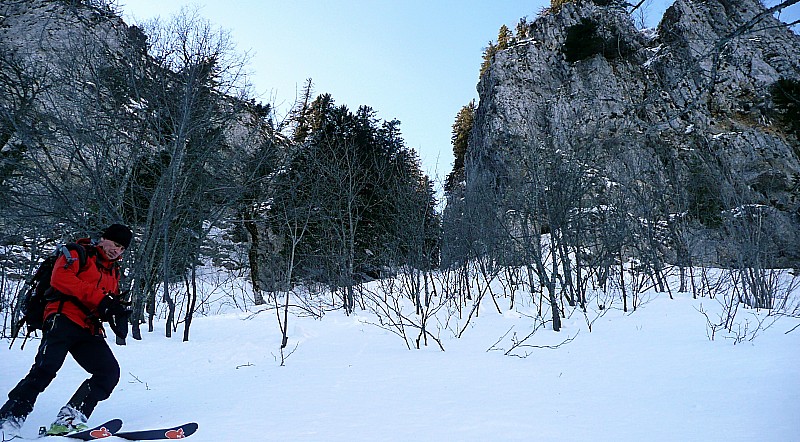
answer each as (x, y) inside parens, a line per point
(413, 60)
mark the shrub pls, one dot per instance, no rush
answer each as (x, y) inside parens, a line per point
(555, 5)
(704, 195)
(786, 96)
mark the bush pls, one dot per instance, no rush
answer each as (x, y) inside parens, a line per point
(786, 96)
(555, 5)
(704, 195)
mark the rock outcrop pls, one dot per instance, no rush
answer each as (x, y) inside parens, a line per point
(683, 119)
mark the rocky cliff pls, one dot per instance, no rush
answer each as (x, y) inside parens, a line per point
(686, 125)
(101, 122)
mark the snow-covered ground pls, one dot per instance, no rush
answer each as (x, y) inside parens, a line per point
(653, 375)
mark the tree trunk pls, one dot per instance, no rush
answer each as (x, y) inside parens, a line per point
(167, 298)
(252, 255)
(192, 304)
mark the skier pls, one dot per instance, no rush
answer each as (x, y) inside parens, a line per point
(73, 325)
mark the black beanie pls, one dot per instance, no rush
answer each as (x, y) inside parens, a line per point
(119, 234)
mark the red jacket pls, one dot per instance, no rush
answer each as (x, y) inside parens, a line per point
(98, 278)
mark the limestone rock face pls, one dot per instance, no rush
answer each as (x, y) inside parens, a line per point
(686, 112)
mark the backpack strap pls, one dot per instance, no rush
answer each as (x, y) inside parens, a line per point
(63, 298)
(83, 254)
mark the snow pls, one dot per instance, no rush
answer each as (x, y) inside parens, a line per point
(648, 375)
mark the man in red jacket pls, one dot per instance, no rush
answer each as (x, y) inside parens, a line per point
(73, 324)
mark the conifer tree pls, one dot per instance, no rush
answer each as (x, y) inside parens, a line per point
(351, 185)
(523, 29)
(488, 55)
(504, 37)
(459, 139)
(299, 115)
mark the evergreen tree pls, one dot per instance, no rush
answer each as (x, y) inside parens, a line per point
(299, 115)
(351, 186)
(488, 56)
(504, 37)
(523, 29)
(459, 139)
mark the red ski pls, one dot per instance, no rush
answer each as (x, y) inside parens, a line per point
(102, 431)
(112, 427)
(179, 432)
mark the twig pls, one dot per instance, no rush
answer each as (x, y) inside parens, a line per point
(146, 387)
(792, 329)
(494, 346)
(551, 347)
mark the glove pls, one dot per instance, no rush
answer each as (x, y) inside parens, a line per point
(109, 307)
(116, 313)
(119, 325)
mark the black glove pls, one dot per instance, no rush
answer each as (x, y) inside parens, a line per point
(116, 313)
(109, 307)
(119, 325)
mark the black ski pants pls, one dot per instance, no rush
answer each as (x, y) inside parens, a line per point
(90, 351)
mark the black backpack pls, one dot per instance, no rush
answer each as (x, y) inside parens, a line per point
(39, 293)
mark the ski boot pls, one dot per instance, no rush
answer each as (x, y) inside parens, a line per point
(69, 420)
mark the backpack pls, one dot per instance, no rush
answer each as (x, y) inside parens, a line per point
(33, 302)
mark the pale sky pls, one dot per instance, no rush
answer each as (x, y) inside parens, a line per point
(413, 60)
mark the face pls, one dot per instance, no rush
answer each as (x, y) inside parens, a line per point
(111, 249)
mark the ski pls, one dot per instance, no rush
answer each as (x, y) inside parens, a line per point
(101, 431)
(179, 432)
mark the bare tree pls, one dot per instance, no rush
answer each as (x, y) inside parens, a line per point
(409, 302)
(199, 91)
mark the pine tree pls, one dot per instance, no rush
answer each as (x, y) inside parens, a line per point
(504, 37)
(459, 139)
(488, 55)
(299, 115)
(523, 29)
(345, 198)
